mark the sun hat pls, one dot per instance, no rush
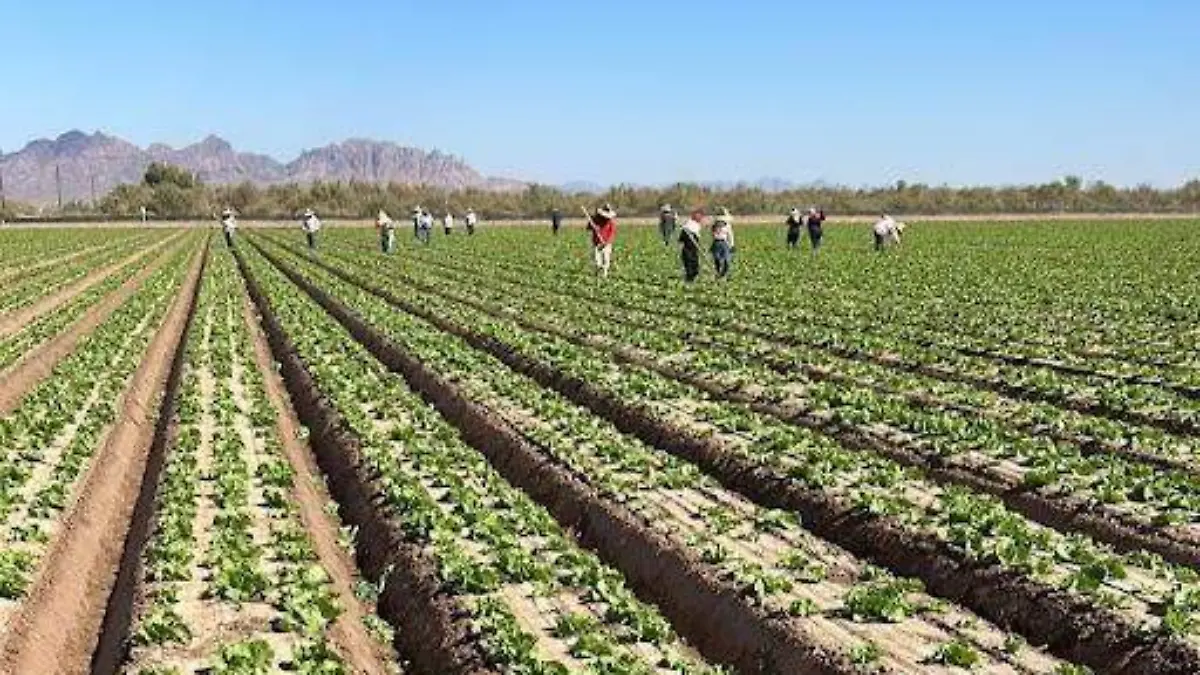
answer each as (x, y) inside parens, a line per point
(227, 213)
(795, 212)
(666, 208)
(308, 213)
(606, 211)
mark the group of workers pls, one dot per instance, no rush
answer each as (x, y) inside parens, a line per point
(602, 225)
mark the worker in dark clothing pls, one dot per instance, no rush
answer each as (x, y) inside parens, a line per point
(795, 223)
(815, 221)
(689, 250)
(666, 224)
(555, 221)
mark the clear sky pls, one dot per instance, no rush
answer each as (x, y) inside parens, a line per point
(658, 90)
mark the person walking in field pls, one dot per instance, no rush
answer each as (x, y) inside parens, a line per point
(689, 245)
(471, 220)
(424, 226)
(448, 223)
(603, 228)
(887, 232)
(311, 226)
(228, 226)
(387, 231)
(815, 220)
(416, 221)
(555, 221)
(666, 223)
(722, 243)
(795, 223)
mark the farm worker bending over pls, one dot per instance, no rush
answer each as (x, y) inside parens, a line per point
(794, 222)
(228, 226)
(887, 231)
(666, 223)
(603, 226)
(424, 226)
(689, 249)
(387, 231)
(448, 223)
(815, 221)
(471, 219)
(555, 221)
(311, 226)
(722, 243)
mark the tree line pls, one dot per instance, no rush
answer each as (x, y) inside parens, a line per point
(170, 192)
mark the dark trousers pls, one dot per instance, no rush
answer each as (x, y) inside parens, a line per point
(691, 263)
(470, 229)
(878, 242)
(228, 239)
(386, 240)
(667, 230)
(423, 234)
(815, 237)
(793, 237)
(722, 258)
(312, 239)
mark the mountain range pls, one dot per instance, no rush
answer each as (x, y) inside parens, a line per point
(89, 165)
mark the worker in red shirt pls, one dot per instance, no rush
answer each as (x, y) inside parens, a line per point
(603, 226)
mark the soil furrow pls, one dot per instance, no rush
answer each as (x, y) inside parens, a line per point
(433, 630)
(705, 609)
(67, 603)
(1072, 628)
(362, 652)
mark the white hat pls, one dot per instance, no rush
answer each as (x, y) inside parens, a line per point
(227, 213)
(308, 213)
(666, 208)
(812, 209)
(795, 211)
(606, 211)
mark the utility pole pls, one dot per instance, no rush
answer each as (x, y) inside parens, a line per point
(58, 186)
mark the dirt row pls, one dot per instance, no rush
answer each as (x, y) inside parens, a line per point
(433, 631)
(1072, 628)
(66, 604)
(19, 379)
(1061, 512)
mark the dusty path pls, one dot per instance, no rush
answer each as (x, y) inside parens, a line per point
(14, 321)
(58, 625)
(362, 652)
(26, 373)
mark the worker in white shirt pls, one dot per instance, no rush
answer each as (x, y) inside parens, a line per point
(228, 226)
(722, 243)
(689, 245)
(448, 223)
(424, 226)
(471, 219)
(887, 232)
(387, 231)
(311, 226)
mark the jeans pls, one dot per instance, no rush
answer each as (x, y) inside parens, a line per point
(423, 234)
(312, 239)
(667, 230)
(387, 241)
(722, 255)
(602, 256)
(815, 237)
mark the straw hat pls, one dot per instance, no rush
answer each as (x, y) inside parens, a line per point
(666, 208)
(795, 213)
(308, 213)
(227, 213)
(606, 211)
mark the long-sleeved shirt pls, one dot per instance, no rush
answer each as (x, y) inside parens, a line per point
(689, 234)
(228, 224)
(885, 226)
(471, 218)
(448, 222)
(604, 230)
(311, 224)
(723, 231)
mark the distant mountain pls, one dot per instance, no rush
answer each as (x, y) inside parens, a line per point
(94, 164)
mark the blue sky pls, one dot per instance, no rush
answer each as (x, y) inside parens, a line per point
(850, 92)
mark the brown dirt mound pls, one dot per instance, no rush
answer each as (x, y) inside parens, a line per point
(66, 605)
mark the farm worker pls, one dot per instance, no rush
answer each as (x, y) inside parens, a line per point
(311, 225)
(689, 250)
(603, 226)
(555, 221)
(815, 221)
(666, 223)
(228, 226)
(794, 222)
(722, 243)
(424, 226)
(471, 220)
(416, 220)
(387, 231)
(886, 232)
(448, 223)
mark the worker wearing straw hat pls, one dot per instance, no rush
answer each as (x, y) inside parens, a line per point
(311, 226)
(387, 231)
(722, 243)
(603, 227)
(815, 220)
(424, 226)
(666, 223)
(471, 220)
(228, 226)
(795, 223)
